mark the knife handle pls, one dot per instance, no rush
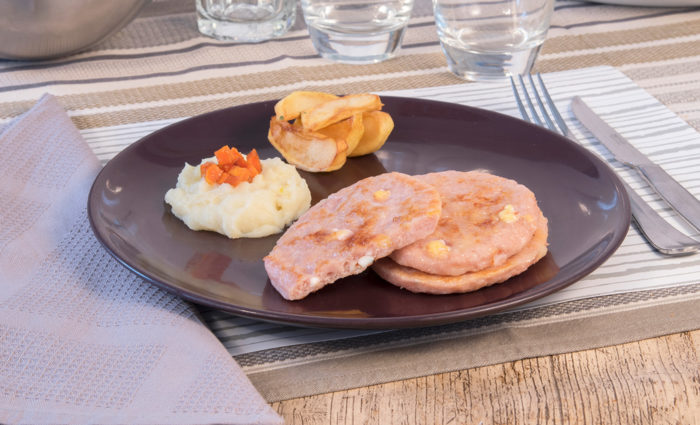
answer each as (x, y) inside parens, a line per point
(660, 234)
(672, 192)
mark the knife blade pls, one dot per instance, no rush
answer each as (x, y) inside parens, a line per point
(677, 196)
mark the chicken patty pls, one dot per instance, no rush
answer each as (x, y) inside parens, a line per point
(485, 220)
(418, 281)
(345, 233)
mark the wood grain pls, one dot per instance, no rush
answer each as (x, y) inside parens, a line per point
(654, 381)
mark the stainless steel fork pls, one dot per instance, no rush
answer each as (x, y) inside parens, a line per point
(657, 231)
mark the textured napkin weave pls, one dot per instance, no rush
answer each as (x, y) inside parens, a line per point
(82, 339)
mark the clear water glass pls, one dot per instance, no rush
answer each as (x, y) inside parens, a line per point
(249, 21)
(486, 40)
(357, 31)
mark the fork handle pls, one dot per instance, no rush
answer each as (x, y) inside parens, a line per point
(672, 192)
(660, 234)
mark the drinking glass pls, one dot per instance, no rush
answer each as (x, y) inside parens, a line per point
(357, 31)
(491, 39)
(245, 20)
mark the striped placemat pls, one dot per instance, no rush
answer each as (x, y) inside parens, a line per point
(640, 67)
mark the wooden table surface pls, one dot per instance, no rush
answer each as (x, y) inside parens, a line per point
(653, 381)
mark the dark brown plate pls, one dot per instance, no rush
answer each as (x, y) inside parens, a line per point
(587, 208)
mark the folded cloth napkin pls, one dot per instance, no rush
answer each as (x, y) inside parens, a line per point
(82, 339)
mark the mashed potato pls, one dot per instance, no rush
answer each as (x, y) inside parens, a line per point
(274, 198)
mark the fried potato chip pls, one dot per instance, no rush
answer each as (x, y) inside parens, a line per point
(341, 156)
(377, 127)
(292, 105)
(333, 111)
(350, 130)
(306, 150)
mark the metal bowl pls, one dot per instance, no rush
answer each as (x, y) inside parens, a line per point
(45, 29)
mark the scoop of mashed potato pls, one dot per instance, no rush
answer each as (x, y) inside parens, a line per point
(275, 198)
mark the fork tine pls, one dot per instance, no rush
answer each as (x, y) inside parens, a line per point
(528, 99)
(538, 98)
(519, 101)
(557, 116)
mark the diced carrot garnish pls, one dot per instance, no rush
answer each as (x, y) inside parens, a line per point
(223, 155)
(237, 175)
(222, 178)
(226, 155)
(254, 160)
(232, 180)
(240, 161)
(241, 172)
(252, 171)
(232, 167)
(212, 174)
(204, 166)
(237, 157)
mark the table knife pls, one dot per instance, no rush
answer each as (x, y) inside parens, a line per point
(678, 197)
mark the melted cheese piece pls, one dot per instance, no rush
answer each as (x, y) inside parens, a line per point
(508, 214)
(437, 248)
(365, 261)
(382, 195)
(382, 240)
(341, 234)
